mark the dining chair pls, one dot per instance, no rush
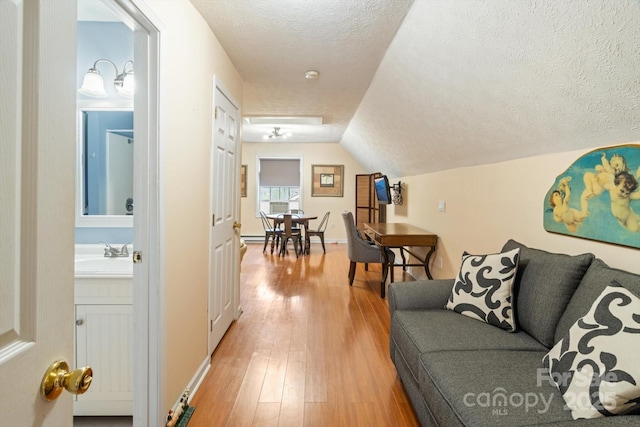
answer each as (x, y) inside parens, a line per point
(319, 232)
(290, 233)
(270, 232)
(361, 250)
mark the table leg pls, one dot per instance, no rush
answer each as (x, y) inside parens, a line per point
(404, 260)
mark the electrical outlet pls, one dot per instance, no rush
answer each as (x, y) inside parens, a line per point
(439, 262)
(333, 225)
(442, 206)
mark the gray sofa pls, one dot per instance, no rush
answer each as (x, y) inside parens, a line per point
(458, 371)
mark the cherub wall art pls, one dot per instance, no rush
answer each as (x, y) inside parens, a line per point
(598, 197)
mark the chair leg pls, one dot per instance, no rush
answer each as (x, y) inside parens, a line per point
(266, 241)
(391, 268)
(366, 266)
(322, 241)
(295, 246)
(352, 272)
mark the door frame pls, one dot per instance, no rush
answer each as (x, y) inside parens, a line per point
(149, 343)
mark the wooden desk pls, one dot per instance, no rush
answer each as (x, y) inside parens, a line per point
(400, 235)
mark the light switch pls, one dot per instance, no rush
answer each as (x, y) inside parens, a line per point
(442, 206)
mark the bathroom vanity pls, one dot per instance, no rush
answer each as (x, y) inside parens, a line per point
(104, 330)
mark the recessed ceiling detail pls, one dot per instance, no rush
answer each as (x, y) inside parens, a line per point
(291, 120)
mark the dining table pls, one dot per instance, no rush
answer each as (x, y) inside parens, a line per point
(301, 219)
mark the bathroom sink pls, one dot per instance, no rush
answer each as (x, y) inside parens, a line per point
(100, 265)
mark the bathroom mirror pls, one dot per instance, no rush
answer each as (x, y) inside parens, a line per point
(104, 167)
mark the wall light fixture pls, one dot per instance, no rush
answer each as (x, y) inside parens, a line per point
(93, 84)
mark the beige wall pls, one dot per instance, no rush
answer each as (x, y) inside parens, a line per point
(487, 205)
(190, 57)
(312, 154)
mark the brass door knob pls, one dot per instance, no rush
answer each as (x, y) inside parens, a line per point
(58, 378)
(236, 225)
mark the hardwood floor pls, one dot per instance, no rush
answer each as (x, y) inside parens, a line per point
(308, 349)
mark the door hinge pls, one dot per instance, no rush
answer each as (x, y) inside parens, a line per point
(213, 220)
(215, 113)
(211, 325)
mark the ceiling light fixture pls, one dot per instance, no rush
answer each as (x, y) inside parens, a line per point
(311, 75)
(93, 84)
(276, 134)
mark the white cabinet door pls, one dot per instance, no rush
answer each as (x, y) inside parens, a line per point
(104, 337)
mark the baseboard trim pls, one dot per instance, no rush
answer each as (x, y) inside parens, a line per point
(194, 384)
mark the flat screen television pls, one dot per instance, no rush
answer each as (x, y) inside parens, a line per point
(383, 191)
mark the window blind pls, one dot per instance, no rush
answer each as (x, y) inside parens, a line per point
(279, 172)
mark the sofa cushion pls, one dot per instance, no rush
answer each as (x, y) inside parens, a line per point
(489, 388)
(417, 332)
(483, 289)
(545, 283)
(598, 276)
(595, 366)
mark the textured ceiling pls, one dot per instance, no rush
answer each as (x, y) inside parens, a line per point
(463, 82)
(273, 42)
(474, 82)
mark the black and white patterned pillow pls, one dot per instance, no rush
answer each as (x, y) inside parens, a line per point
(596, 366)
(483, 289)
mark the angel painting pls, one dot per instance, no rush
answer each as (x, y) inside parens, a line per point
(609, 205)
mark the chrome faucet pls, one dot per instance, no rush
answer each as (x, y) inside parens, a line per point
(111, 252)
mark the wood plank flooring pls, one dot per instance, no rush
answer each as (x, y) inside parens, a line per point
(308, 349)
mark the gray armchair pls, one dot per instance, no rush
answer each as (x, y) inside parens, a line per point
(361, 250)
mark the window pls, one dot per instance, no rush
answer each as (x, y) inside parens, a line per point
(279, 185)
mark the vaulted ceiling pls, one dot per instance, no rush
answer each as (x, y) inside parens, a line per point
(411, 87)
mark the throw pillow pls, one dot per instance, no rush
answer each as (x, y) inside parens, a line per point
(595, 366)
(544, 285)
(483, 289)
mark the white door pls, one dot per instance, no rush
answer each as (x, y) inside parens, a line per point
(37, 115)
(225, 195)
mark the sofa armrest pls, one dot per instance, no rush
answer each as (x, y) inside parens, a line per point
(419, 295)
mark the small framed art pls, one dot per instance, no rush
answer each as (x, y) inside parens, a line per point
(327, 180)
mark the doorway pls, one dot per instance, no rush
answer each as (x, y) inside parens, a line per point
(147, 312)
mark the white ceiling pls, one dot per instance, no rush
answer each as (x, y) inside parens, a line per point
(463, 82)
(273, 43)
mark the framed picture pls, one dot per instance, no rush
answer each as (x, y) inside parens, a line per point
(327, 180)
(243, 181)
(598, 197)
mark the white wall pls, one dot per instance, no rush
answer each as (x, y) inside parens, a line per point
(312, 154)
(489, 204)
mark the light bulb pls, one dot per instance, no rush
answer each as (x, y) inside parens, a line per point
(93, 84)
